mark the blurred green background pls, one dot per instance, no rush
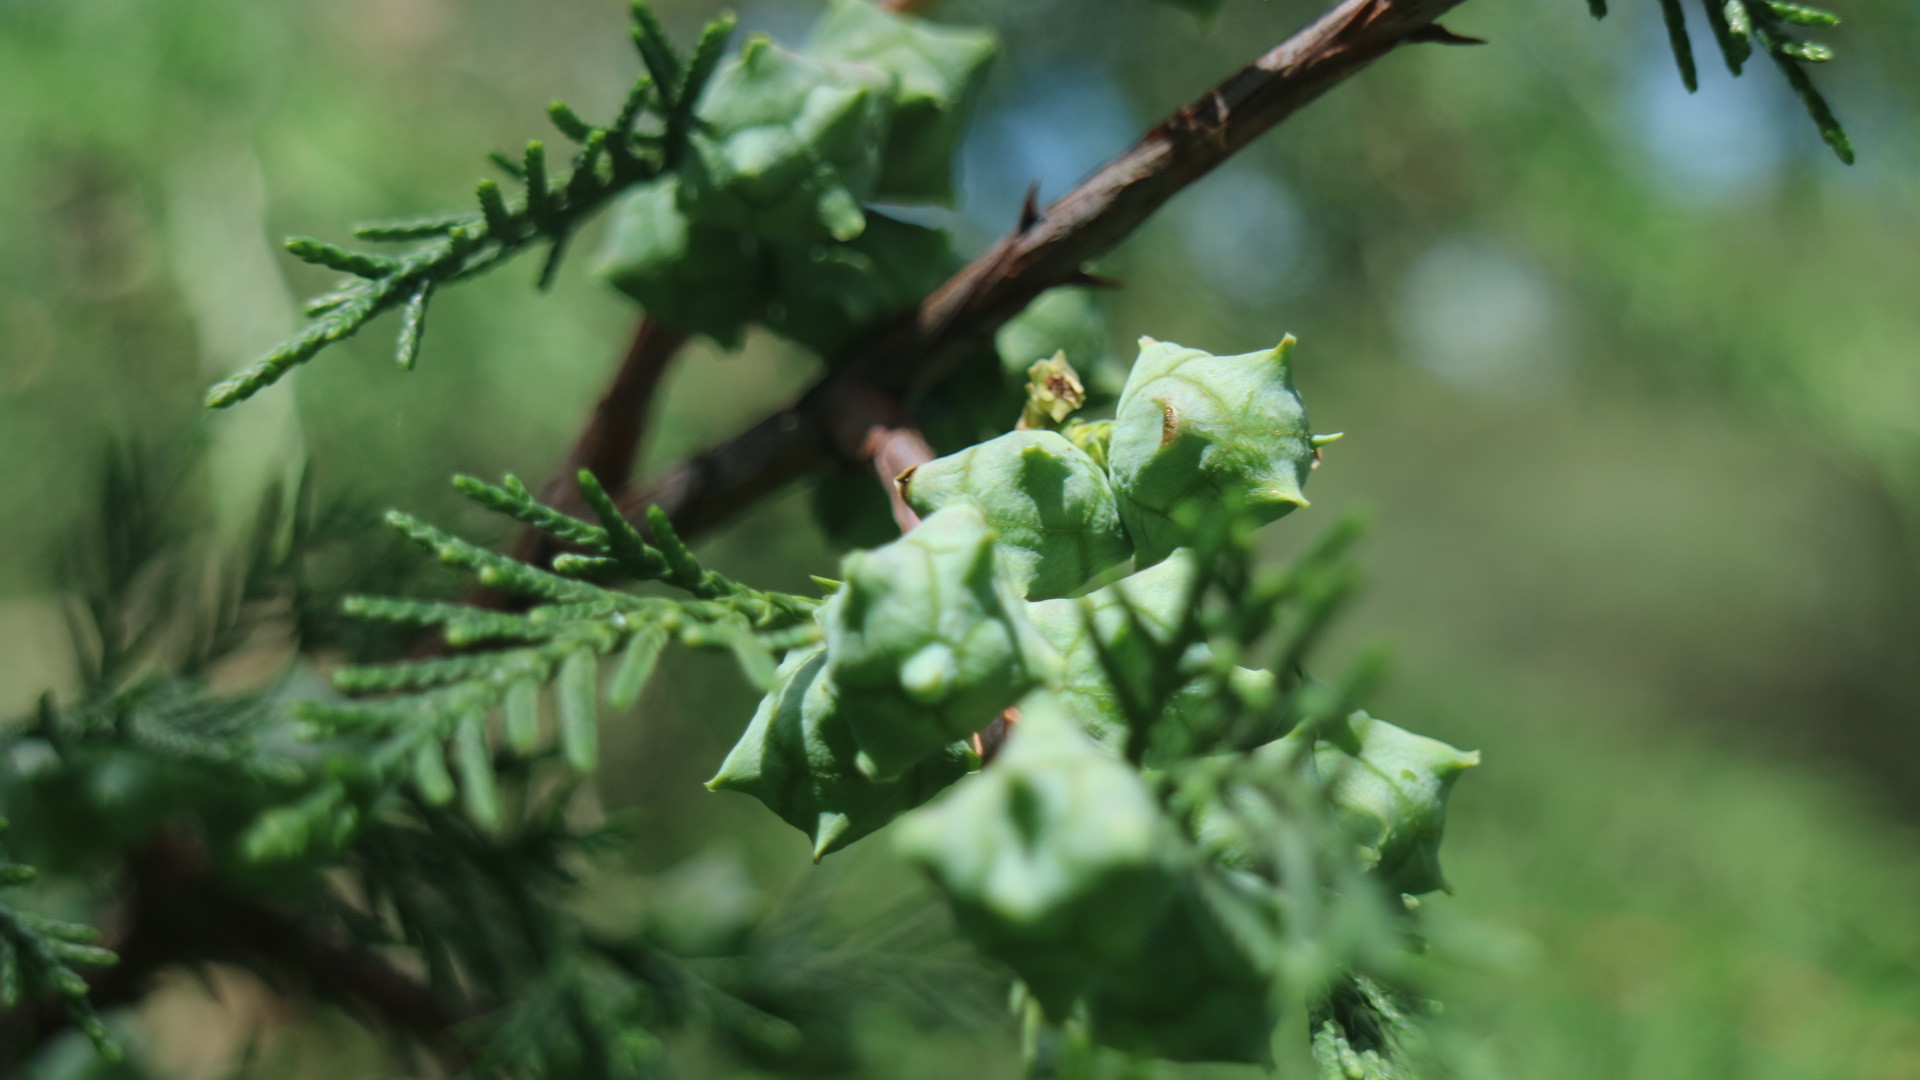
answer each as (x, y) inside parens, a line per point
(1631, 383)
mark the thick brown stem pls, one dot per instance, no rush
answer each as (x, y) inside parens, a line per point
(895, 451)
(993, 738)
(958, 320)
(609, 446)
(893, 446)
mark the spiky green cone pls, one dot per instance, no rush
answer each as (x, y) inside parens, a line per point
(829, 295)
(797, 756)
(1056, 860)
(1052, 506)
(693, 277)
(940, 72)
(788, 146)
(1390, 788)
(926, 643)
(1203, 431)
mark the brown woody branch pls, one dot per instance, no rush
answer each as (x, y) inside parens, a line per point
(892, 445)
(836, 416)
(609, 445)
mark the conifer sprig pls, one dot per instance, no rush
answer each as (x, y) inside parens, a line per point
(480, 891)
(1362, 1029)
(547, 209)
(1739, 26)
(1271, 619)
(436, 726)
(38, 956)
(1246, 778)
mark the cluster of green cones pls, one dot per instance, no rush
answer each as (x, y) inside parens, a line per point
(1113, 864)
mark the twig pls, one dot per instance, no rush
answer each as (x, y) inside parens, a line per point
(893, 445)
(989, 741)
(834, 417)
(609, 446)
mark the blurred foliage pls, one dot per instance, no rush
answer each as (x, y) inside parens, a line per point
(1628, 376)
(230, 837)
(1665, 908)
(37, 959)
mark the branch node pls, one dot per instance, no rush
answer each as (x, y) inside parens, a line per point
(1029, 209)
(1434, 33)
(1087, 279)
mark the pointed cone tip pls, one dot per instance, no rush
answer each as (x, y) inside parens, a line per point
(828, 833)
(1281, 493)
(727, 781)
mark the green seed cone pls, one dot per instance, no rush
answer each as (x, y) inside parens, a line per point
(1200, 986)
(798, 757)
(1204, 432)
(1390, 788)
(789, 145)
(828, 295)
(693, 277)
(1084, 687)
(926, 644)
(1056, 860)
(1051, 505)
(940, 71)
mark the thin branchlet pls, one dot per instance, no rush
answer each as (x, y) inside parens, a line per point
(38, 956)
(548, 209)
(430, 708)
(1741, 25)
